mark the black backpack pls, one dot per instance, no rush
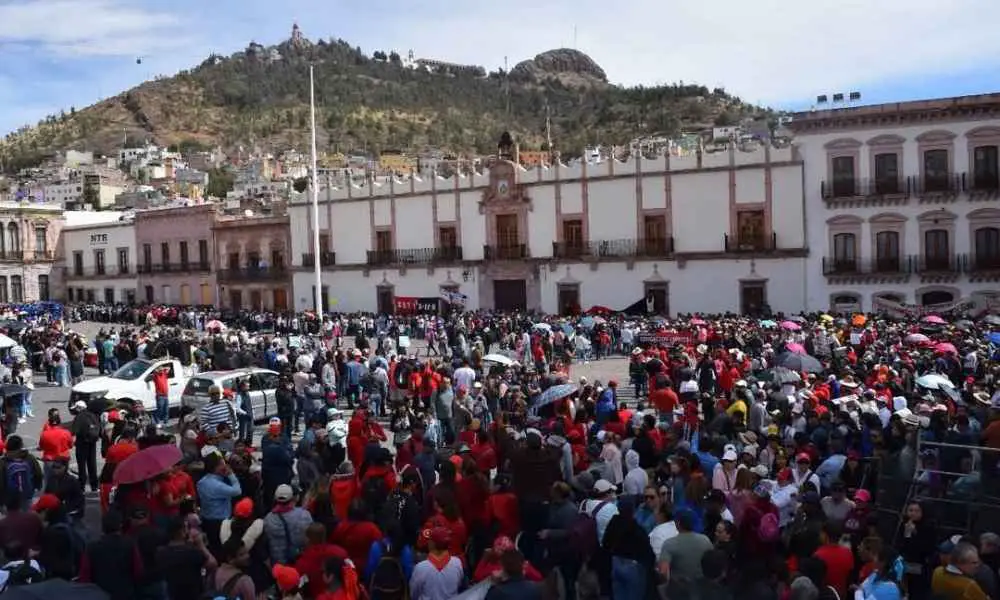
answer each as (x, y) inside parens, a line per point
(388, 582)
(22, 574)
(374, 492)
(226, 591)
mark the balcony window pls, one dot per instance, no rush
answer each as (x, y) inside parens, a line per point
(99, 261)
(41, 241)
(845, 252)
(78, 263)
(4, 297)
(750, 229)
(165, 253)
(843, 177)
(16, 289)
(184, 253)
(988, 248)
(887, 251)
(277, 260)
(123, 265)
(887, 173)
(203, 252)
(14, 238)
(985, 168)
(383, 241)
(43, 287)
(147, 257)
(936, 170)
(447, 237)
(936, 249)
(572, 230)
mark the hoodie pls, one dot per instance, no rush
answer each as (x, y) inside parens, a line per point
(343, 490)
(636, 478)
(566, 454)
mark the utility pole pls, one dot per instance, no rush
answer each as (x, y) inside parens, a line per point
(506, 84)
(548, 131)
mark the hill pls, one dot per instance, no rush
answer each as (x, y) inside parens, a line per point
(260, 97)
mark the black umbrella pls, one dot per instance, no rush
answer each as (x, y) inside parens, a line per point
(15, 325)
(798, 362)
(54, 589)
(785, 375)
(12, 389)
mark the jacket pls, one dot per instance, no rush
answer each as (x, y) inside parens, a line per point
(216, 495)
(516, 588)
(286, 533)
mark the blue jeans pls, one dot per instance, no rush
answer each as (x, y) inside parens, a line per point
(628, 579)
(26, 404)
(110, 364)
(246, 429)
(162, 414)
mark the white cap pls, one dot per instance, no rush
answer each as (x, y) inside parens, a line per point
(760, 471)
(729, 455)
(80, 405)
(603, 486)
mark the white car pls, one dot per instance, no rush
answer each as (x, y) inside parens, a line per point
(133, 382)
(263, 384)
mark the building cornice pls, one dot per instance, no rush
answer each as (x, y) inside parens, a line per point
(898, 114)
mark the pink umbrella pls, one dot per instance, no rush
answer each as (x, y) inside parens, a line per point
(946, 348)
(697, 321)
(796, 349)
(936, 320)
(917, 338)
(790, 325)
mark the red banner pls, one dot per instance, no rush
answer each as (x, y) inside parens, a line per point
(665, 338)
(410, 305)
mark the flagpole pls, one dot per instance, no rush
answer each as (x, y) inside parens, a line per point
(318, 262)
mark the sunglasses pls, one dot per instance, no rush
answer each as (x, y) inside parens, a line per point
(650, 497)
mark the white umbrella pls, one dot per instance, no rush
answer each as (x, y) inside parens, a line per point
(933, 381)
(6, 341)
(500, 359)
(544, 326)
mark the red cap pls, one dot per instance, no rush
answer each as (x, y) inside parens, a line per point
(244, 508)
(287, 578)
(803, 457)
(46, 502)
(612, 383)
(784, 475)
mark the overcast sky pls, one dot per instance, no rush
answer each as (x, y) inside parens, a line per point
(60, 53)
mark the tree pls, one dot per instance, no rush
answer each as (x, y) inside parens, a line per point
(394, 58)
(220, 183)
(301, 184)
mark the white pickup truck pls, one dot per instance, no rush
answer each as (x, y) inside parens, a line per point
(134, 382)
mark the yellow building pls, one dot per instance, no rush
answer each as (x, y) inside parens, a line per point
(397, 163)
(533, 158)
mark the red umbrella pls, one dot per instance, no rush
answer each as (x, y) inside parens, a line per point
(599, 310)
(147, 464)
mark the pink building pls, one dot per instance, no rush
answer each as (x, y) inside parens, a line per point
(175, 258)
(252, 254)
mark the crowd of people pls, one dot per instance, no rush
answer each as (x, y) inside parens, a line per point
(814, 457)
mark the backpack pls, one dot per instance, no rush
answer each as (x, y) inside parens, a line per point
(374, 492)
(583, 531)
(769, 528)
(20, 478)
(225, 592)
(388, 582)
(21, 574)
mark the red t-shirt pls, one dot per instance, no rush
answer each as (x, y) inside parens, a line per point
(310, 564)
(839, 565)
(55, 442)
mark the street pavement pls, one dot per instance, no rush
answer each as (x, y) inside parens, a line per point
(46, 397)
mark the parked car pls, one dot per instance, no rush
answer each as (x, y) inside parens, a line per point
(263, 383)
(133, 382)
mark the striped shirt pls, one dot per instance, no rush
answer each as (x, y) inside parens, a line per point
(213, 413)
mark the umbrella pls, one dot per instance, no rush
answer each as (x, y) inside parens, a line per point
(588, 322)
(992, 320)
(798, 319)
(55, 589)
(799, 362)
(768, 324)
(934, 319)
(15, 325)
(6, 342)
(12, 389)
(148, 463)
(216, 325)
(946, 348)
(554, 394)
(795, 348)
(917, 338)
(543, 326)
(783, 375)
(790, 325)
(698, 322)
(599, 310)
(859, 320)
(500, 359)
(933, 381)
(964, 324)
(825, 318)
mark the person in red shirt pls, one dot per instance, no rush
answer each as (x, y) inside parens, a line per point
(838, 559)
(446, 515)
(504, 511)
(313, 557)
(664, 399)
(344, 488)
(161, 387)
(356, 533)
(490, 563)
(341, 580)
(55, 441)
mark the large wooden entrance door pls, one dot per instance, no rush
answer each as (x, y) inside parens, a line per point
(507, 236)
(657, 298)
(753, 297)
(510, 294)
(280, 299)
(569, 299)
(386, 301)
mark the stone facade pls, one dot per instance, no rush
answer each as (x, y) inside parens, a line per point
(29, 244)
(252, 256)
(175, 262)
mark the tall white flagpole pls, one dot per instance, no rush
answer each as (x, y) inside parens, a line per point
(315, 202)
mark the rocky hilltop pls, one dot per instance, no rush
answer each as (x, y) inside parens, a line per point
(258, 97)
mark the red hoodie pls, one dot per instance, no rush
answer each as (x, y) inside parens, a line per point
(310, 564)
(472, 498)
(503, 508)
(343, 490)
(386, 473)
(410, 449)
(356, 537)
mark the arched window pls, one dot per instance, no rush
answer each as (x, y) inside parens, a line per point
(936, 255)
(988, 248)
(887, 251)
(936, 297)
(13, 238)
(845, 252)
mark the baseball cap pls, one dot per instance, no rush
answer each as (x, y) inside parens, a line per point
(802, 457)
(603, 486)
(729, 455)
(46, 502)
(286, 578)
(243, 508)
(863, 496)
(284, 493)
(80, 405)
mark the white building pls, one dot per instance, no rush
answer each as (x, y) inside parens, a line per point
(903, 202)
(99, 257)
(708, 233)
(65, 193)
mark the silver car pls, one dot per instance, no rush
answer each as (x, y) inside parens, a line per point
(263, 383)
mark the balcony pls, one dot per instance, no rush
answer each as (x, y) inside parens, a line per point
(122, 271)
(983, 263)
(252, 274)
(627, 248)
(414, 256)
(26, 255)
(939, 263)
(846, 189)
(750, 244)
(326, 259)
(840, 266)
(506, 252)
(938, 185)
(981, 183)
(180, 268)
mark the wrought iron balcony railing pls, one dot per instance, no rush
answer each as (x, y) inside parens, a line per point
(326, 259)
(939, 263)
(750, 244)
(415, 256)
(248, 274)
(506, 252)
(833, 266)
(625, 248)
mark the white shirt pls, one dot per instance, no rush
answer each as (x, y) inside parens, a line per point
(603, 516)
(660, 534)
(465, 376)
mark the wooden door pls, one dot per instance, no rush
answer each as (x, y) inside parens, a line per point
(507, 234)
(386, 301)
(510, 294)
(753, 296)
(280, 299)
(569, 300)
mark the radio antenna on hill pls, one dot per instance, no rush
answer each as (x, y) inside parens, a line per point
(574, 38)
(548, 129)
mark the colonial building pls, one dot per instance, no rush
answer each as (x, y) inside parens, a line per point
(902, 202)
(711, 232)
(175, 261)
(252, 254)
(29, 244)
(99, 259)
